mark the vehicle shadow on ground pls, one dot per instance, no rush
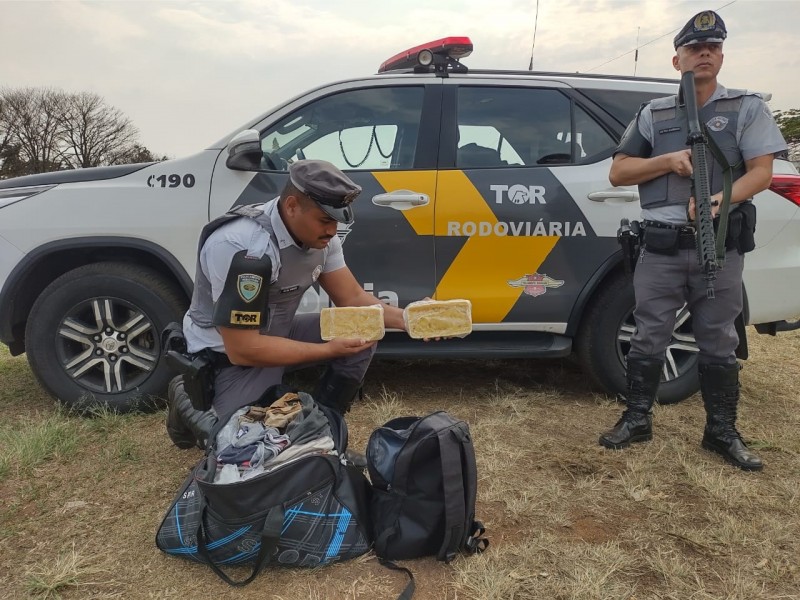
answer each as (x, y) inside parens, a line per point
(555, 376)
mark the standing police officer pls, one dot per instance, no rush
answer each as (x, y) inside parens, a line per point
(653, 154)
(254, 265)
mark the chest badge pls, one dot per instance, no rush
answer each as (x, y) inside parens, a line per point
(248, 285)
(317, 271)
(717, 123)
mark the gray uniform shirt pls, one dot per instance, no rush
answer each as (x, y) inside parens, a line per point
(247, 234)
(757, 135)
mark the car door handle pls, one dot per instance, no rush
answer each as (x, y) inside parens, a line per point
(401, 199)
(614, 194)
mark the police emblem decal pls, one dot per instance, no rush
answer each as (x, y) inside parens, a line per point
(535, 284)
(717, 123)
(315, 275)
(248, 285)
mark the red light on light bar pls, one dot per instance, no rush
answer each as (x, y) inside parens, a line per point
(454, 47)
(787, 186)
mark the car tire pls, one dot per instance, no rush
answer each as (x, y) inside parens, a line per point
(604, 341)
(92, 336)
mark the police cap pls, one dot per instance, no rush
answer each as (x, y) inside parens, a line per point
(326, 185)
(706, 26)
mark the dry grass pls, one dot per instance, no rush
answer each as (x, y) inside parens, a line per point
(81, 498)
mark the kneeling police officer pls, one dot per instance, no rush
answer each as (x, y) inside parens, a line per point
(254, 265)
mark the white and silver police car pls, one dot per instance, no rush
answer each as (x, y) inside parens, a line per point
(486, 185)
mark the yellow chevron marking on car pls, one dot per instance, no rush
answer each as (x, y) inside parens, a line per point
(421, 217)
(458, 198)
(485, 264)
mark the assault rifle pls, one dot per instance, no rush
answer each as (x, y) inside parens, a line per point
(710, 247)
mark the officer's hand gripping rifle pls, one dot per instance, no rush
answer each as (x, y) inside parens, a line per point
(707, 248)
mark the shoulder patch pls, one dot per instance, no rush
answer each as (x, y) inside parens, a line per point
(248, 285)
(247, 318)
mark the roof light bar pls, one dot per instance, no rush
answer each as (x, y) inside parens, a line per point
(439, 53)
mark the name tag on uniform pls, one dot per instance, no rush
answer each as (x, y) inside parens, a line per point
(290, 289)
(669, 130)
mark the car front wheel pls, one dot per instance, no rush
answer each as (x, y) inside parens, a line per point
(92, 336)
(604, 342)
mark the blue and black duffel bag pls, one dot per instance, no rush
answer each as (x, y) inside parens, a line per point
(309, 511)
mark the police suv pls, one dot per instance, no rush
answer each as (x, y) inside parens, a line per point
(486, 185)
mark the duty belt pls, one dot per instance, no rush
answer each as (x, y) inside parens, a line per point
(687, 234)
(682, 229)
(218, 360)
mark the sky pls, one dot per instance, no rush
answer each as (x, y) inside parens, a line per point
(189, 72)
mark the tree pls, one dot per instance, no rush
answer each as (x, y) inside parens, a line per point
(43, 129)
(34, 114)
(6, 126)
(93, 133)
(138, 154)
(789, 124)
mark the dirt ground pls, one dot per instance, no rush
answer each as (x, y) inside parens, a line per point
(566, 518)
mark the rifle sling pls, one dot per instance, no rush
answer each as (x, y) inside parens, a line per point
(727, 188)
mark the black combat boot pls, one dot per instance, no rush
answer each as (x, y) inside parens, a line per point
(720, 387)
(636, 424)
(338, 392)
(187, 426)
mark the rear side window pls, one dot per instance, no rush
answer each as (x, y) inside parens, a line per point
(372, 128)
(525, 127)
(620, 105)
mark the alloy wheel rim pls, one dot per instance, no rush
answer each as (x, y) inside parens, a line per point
(682, 350)
(107, 345)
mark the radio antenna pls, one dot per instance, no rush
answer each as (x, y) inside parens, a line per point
(535, 24)
(636, 54)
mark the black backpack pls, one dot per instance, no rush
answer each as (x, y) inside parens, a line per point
(424, 482)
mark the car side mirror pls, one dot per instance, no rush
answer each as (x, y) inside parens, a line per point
(244, 151)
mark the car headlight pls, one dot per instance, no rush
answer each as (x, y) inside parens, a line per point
(13, 195)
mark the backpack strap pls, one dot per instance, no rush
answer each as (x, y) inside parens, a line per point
(454, 499)
(421, 428)
(411, 586)
(474, 542)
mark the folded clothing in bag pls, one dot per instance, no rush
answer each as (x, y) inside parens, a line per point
(364, 322)
(438, 318)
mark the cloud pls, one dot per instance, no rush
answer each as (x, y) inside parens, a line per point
(189, 72)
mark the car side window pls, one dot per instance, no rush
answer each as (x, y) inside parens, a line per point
(371, 128)
(594, 143)
(522, 127)
(622, 105)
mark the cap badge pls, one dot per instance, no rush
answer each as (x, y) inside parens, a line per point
(248, 286)
(350, 196)
(705, 21)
